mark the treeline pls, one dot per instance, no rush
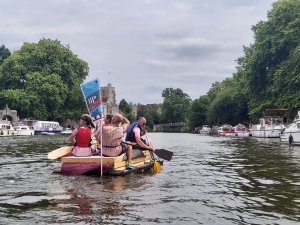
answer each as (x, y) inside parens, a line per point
(42, 80)
(267, 76)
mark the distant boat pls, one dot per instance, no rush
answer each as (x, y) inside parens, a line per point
(23, 130)
(205, 129)
(214, 130)
(269, 126)
(6, 128)
(226, 130)
(241, 130)
(67, 131)
(47, 133)
(291, 134)
(43, 127)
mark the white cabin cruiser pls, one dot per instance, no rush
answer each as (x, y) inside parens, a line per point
(6, 128)
(268, 127)
(205, 129)
(23, 130)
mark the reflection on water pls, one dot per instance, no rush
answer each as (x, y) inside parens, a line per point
(210, 180)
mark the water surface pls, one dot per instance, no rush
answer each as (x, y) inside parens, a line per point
(210, 180)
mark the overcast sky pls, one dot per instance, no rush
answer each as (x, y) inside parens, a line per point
(141, 46)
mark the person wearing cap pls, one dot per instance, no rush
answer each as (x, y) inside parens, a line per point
(81, 137)
(112, 138)
(135, 131)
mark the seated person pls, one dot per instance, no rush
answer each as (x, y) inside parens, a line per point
(135, 131)
(81, 137)
(112, 137)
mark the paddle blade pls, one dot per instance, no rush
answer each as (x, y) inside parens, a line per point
(156, 166)
(163, 154)
(60, 152)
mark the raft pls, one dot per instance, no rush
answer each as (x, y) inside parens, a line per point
(114, 166)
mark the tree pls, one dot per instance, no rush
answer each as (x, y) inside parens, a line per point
(175, 106)
(269, 69)
(151, 113)
(213, 91)
(47, 75)
(127, 110)
(198, 113)
(4, 53)
(228, 107)
(228, 103)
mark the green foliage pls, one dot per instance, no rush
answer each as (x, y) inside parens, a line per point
(229, 108)
(228, 103)
(269, 70)
(213, 91)
(151, 113)
(42, 80)
(175, 106)
(4, 53)
(198, 112)
(127, 110)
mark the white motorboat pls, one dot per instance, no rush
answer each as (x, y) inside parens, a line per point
(6, 128)
(291, 134)
(43, 127)
(205, 129)
(67, 131)
(241, 130)
(23, 130)
(226, 130)
(269, 127)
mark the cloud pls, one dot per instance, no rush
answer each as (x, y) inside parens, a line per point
(141, 46)
(190, 48)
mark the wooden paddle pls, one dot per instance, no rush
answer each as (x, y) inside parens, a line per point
(161, 153)
(60, 152)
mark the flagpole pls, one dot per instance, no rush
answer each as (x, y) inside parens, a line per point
(92, 96)
(101, 146)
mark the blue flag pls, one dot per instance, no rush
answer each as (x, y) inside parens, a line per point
(92, 97)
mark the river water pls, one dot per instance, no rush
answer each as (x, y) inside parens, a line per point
(210, 180)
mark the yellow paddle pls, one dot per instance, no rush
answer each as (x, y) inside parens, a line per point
(156, 164)
(60, 152)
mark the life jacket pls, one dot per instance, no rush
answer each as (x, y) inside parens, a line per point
(130, 136)
(83, 137)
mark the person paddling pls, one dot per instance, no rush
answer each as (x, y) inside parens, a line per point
(135, 131)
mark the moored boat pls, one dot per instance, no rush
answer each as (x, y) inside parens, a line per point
(23, 130)
(269, 126)
(43, 127)
(226, 130)
(6, 128)
(67, 131)
(241, 130)
(205, 129)
(214, 130)
(291, 134)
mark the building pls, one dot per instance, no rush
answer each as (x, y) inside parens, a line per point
(9, 114)
(108, 96)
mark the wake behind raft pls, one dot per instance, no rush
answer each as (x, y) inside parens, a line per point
(113, 166)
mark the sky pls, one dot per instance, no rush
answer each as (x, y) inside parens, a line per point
(141, 47)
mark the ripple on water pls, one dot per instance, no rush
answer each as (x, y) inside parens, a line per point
(210, 180)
